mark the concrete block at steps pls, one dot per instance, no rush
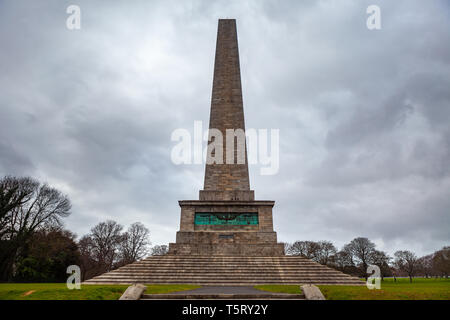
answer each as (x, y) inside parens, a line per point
(133, 292)
(312, 292)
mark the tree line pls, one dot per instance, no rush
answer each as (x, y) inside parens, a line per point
(355, 257)
(35, 247)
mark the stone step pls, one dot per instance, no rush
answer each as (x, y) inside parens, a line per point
(225, 270)
(129, 281)
(224, 296)
(237, 258)
(257, 281)
(226, 278)
(229, 265)
(222, 269)
(239, 274)
(262, 259)
(344, 283)
(231, 277)
(227, 281)
(227, 261)
(206, 262)
(179, 256)
(234, 264)
(224, 258)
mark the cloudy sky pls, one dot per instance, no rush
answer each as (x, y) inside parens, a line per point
(363, 115)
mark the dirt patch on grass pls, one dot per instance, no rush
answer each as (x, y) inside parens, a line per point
(28, 293)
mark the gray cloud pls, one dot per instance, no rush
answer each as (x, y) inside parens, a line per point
(363, 115)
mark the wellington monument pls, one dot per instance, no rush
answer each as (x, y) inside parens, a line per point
(226, 237)
(227, 220)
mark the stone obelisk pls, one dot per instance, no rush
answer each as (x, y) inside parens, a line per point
(227, 181)
(227, 220)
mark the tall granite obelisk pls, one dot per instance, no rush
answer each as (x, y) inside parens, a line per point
(227, 181)
(227, 220)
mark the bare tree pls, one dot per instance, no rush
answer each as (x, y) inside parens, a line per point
(326, 250)
(425, 265)
(343, 261)
(135, 242)
(441, 261)
(14, 193)
(25, 206)
(106, 238)
(307, 249)
(362, 250)
(320, 252)
(160, 250)
(406, 261)
(88, 265)
(381, 259)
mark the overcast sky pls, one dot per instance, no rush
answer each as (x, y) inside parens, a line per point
(363, 115)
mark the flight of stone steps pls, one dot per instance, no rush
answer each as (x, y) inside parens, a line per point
(225, 270)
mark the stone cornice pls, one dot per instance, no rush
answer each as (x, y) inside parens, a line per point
(226, 203)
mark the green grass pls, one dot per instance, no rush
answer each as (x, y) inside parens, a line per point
(419, 289)
(59, 291)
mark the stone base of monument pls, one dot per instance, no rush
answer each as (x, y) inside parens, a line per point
(248, 250)
(225, 271)
(226, 227)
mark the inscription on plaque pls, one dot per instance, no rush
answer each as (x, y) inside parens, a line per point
(225, 218)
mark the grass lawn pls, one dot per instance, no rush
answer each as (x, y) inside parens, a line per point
(59, 291)
(419, 289)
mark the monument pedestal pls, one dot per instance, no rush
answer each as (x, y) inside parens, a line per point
(226, 227)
